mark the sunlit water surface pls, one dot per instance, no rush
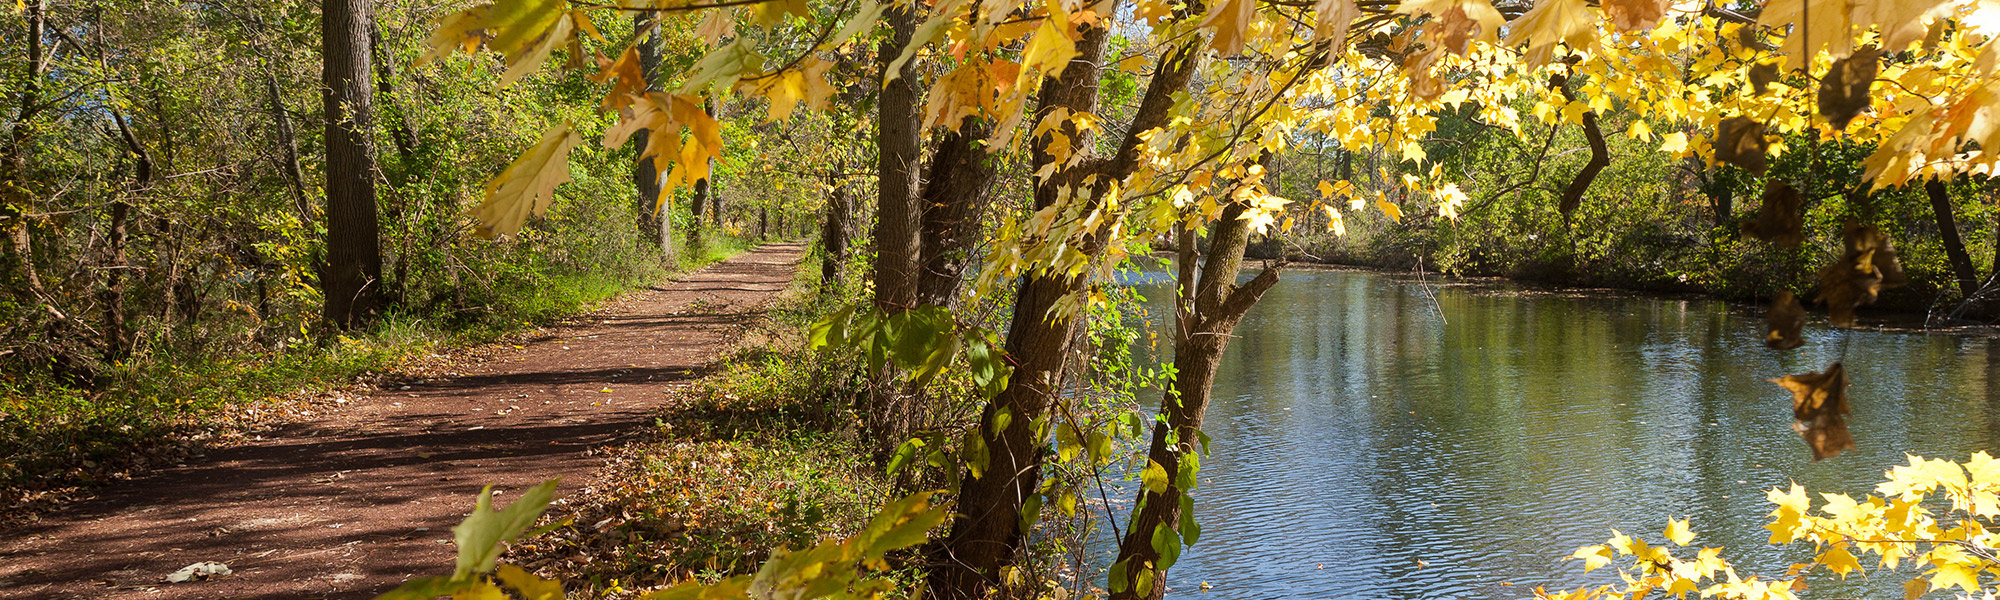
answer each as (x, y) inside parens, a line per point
(1381, 437)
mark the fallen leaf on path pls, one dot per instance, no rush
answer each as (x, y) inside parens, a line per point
(198, 571)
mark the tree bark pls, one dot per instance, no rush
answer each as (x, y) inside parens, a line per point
(1207, 312)
(24, 281)
(891, 412)
(288, 148)
(1600, 155)
(833, 233)
(353, 278)
(1954, 248)
(953, 200)
(117, 344)
(986, 531)
(650, 207)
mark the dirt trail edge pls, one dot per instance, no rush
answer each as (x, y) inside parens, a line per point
(355, 502)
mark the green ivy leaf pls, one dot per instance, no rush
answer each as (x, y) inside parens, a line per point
(481, 534)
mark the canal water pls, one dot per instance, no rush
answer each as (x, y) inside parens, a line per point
(1381, 436)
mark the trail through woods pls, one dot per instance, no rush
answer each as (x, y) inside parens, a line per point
(355, 501)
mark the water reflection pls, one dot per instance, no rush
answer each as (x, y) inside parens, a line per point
(1363, 425)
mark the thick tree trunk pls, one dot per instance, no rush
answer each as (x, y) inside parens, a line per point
(891, 413)
(953, 200)
(1954, 248)
(986, 533)
(1206, 314)
(353, 278)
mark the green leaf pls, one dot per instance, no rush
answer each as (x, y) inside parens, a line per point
(481, 534)
(1189, 468)
(1118, 578)
(1190, 529)
(904, 452)
(976, 459)
(529, 585)
(528, 185)
(1167, 542)
(1031, 512)
(427, 588)
(900, 524)
(1154, 477)
(831, 330)
(728, 589)
(1068, 442)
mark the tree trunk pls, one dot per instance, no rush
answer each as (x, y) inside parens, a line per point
(891, 412)
(986, 531)
(288, 148)
(1206, 314)
(353, 277)
(1600, 155)
(833, 233)
(1954, 248)
(23, 280)
(117, 343)
(953, 200)
(649, 206)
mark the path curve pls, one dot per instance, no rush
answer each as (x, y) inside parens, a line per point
(356, 502)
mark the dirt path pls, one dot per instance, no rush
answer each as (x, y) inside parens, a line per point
(357, 501)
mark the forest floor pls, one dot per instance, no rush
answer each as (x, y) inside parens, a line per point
(363, 497)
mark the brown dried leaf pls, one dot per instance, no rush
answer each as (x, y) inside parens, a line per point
(1843, 92)
(1778, 220)
(1761, 76)
(1867, 267)
(1740, 141)
(1819, 410)
(1635, 15)
(1783, 322)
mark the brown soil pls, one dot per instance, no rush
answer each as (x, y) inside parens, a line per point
(362, 498)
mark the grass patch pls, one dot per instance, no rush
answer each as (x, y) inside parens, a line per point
(58, 440)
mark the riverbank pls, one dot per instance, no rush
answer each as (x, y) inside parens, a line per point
(1897, 309)
(59, 441)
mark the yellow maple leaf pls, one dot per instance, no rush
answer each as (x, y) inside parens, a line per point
(526, 187)
(1639, 131)
(1550, 22)
(1786, 519)
(1674, 143)
(1965, 576)
(1593, 556)
(1334, 222)
(1679, 532)
(1388, 208)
